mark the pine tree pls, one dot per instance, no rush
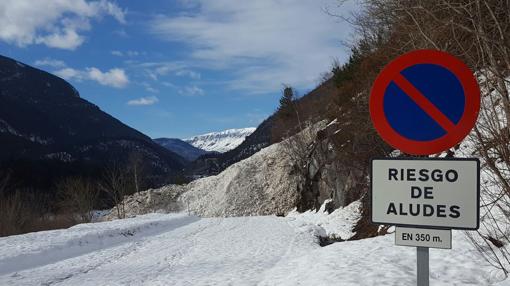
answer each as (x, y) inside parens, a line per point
(288, 108)
(286, 101)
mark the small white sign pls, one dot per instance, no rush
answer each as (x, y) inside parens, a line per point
(424, 237)
(426, 192)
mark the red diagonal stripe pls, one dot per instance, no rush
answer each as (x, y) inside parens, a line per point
(424, 103)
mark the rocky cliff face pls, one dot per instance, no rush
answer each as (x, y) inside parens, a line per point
(324, 177)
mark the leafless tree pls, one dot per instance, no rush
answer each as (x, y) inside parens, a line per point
(117, 183)
(78, 196)
(15, 214)
(137, 169)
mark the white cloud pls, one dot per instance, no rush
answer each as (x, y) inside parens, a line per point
(49, 62)
(266, 42)
(56, 24)
(149, 87)
(114, 77)
(188, 73)
(69, 73)
(127, 53)
(149, 100)
(68, 40)
(117, 53)
(191, 91)
(154, 70)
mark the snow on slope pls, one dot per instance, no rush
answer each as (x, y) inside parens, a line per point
(262, 184)
(178, 250)
(221, 141)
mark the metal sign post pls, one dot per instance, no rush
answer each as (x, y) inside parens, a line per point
(422, 257)
(422, 103)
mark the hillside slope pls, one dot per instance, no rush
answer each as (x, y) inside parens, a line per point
(46, 129)
(182, 148)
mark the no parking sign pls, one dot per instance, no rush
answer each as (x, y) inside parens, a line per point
(424, 102)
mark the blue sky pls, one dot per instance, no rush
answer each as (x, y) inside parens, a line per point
(179, 68)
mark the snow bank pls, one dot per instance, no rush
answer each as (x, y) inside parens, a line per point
(177, 250)
(338, 224)
(377, 261)
(40, 248)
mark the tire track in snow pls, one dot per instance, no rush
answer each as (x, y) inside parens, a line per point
(89, 243)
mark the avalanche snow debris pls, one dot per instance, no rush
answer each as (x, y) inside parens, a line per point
(338, 224)
(262, 184)
(259, 185)
(162, 200)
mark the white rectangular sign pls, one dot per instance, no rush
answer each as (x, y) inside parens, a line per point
(424, 237)
(426, 192)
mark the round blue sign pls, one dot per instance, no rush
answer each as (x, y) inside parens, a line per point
(424, 102)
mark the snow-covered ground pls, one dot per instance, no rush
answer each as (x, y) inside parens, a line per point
(221, 141)
(175, 249)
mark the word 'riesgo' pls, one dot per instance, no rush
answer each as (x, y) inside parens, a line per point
(422, 175)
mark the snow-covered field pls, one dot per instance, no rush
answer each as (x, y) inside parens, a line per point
(175, 249)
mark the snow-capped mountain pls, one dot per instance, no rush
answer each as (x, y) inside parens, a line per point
(221, 141)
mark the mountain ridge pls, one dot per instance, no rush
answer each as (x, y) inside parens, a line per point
(43, 119)
(181, 147)
(222, 141)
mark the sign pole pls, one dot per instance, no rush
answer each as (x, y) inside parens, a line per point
(422, 266)
(422, 103)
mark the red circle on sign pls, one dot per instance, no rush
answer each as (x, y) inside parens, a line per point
(452, 137)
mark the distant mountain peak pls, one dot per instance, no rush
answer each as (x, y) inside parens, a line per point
(222, 141)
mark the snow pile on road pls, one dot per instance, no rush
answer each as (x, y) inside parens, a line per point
(173, 249)
(338, 224)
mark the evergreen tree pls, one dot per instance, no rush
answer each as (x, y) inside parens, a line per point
(286, 101)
